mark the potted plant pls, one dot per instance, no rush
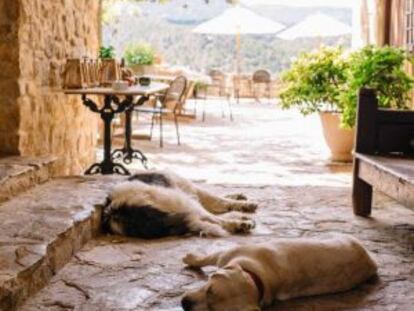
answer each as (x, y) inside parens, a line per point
(109, 70)
(380, 68)
(140, 57)
(200, 87)
(314, 83)
(327, 82)
(107, 52)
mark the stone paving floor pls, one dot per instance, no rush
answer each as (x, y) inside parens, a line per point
(278, 159)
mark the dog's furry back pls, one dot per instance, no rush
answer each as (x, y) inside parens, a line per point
(159, 204)
(148, 206)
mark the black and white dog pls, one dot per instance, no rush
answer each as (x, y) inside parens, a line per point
(159, 204)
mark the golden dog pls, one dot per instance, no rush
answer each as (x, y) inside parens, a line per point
(253, 276)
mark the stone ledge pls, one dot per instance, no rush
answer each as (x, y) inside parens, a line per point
(42, 229)
(18, 174)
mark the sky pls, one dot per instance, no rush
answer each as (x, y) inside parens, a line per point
(331, 3)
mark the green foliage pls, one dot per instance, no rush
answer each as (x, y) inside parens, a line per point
(380, 68)
(106, 52)
(200, 85)
(139, 54)
(326, 79)
(314, 81)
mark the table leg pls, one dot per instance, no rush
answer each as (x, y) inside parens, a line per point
(127, 153)
(107, 113)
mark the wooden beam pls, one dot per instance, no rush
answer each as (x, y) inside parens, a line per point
(394, 177)
(387, 22)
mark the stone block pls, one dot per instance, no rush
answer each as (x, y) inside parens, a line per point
(9, 88)
(9, 115)
(9, 142)
(42, 228)
(8, 69)
(18, 174)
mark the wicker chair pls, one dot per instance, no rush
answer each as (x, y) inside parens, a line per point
(262, 77)
(170, 102)
(220, 89)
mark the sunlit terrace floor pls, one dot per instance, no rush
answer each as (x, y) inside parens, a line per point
(276, 158)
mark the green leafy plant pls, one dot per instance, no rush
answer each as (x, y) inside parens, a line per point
(314, 81)
(326, 79)
(200, 86)
(139, 54)
(380, 68)
(106, 52)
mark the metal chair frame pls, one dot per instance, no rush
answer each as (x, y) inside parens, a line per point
(175, 93)
(262, 76)
(218, 83)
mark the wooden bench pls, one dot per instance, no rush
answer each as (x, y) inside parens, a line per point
(384, 154)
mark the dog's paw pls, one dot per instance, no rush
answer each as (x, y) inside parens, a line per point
(246, 226)
(237, 196)
(213, 231)
(250, 207)
(241, 226)
(247, 207)
(191, 260)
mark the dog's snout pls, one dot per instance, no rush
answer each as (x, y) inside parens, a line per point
(187, 304)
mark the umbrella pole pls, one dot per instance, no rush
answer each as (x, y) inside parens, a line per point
(238, 47)
(238, 68)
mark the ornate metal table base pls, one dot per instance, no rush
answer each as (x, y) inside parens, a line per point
(111, 107)
(127, 153)
(107, 168)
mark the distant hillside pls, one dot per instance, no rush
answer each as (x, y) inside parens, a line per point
(168, 28)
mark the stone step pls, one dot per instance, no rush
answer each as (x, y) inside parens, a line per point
(18, 174)
(42, 228)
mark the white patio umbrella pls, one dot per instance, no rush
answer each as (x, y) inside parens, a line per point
(316, 26)
(237, 21)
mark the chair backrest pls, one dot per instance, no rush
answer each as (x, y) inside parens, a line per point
(218, 79)
(176, 92)
(216, 74)
(237, 81)
(262, 76)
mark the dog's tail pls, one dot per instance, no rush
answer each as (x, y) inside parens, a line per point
(106, 216)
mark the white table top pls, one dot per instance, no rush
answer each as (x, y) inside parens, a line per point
(170, 78)
(154, 87)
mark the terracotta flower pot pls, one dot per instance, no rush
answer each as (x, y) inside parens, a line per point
(340, 141)
(142, 70)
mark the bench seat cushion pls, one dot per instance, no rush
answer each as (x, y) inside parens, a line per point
(392, 175)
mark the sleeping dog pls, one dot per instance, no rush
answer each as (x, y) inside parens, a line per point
(159, 204)
(253, 276)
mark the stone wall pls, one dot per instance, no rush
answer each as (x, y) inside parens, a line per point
(9, 69)
(49, 122)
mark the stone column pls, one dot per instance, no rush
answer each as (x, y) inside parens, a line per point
(9, 71)
(47, 121)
